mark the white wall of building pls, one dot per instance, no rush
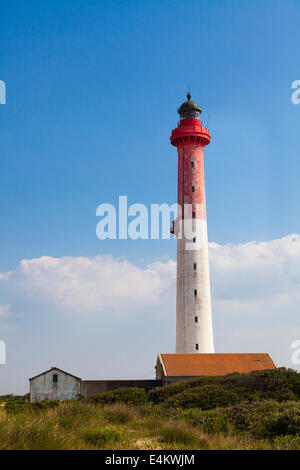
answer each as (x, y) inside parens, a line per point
(43, 387)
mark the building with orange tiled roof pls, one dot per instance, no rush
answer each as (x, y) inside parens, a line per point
(173, 367)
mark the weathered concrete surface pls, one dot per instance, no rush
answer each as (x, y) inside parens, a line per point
(193, 298)
(42, 386)
(194, 332)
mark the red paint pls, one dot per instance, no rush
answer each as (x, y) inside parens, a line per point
(190, 137)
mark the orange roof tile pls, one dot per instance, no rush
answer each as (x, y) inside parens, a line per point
(193, 365)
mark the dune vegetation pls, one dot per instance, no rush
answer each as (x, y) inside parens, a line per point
(259, 410)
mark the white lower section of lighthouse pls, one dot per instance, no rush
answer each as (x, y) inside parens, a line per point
(194, 332)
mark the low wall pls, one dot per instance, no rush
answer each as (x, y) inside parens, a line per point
(171, 380)
(91, 387)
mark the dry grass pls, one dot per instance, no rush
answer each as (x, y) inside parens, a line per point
(79, 425)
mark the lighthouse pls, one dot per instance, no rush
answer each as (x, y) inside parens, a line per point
(194, 332)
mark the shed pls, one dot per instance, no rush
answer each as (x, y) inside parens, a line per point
(54, 383)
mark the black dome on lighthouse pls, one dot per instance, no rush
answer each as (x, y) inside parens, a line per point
(189, 108)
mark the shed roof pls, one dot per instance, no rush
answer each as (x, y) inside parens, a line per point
(52, 369)
(195, 365)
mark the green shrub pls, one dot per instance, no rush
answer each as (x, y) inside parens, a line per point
(286, 422)
(6, 397)
(12, 397)
(160, 394)
(15, 407)
(209, 421)
(277, 384)
(263, 419)
(206, 397)
(286, 443)
(274, 384)
(132, 395)
(101, 436)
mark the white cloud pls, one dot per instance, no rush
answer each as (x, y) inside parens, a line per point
(265, 273)
(96, 284)
(247, 280)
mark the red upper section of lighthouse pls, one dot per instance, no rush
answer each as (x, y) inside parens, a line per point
(190, 129)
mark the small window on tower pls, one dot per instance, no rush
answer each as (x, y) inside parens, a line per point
(192, 163)
(197, 346)
(54, 378)
(196, 319)
(193, 189)
(194, 214)
(195, 265)
(194, 240)
(195, 292)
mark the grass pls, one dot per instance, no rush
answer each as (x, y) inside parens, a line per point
(81, 425)
(256, 411)
(103, 435)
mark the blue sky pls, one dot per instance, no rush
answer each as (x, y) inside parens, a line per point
(92, 92)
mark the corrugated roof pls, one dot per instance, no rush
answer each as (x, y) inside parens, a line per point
(193, 365)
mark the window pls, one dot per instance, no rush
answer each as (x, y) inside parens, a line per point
(54, 378)
(197, 346)
(195, 292)
(194, 214)
(195, 265)
(194, 240)
(196, 319)
(193, 189)
(192, 163)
